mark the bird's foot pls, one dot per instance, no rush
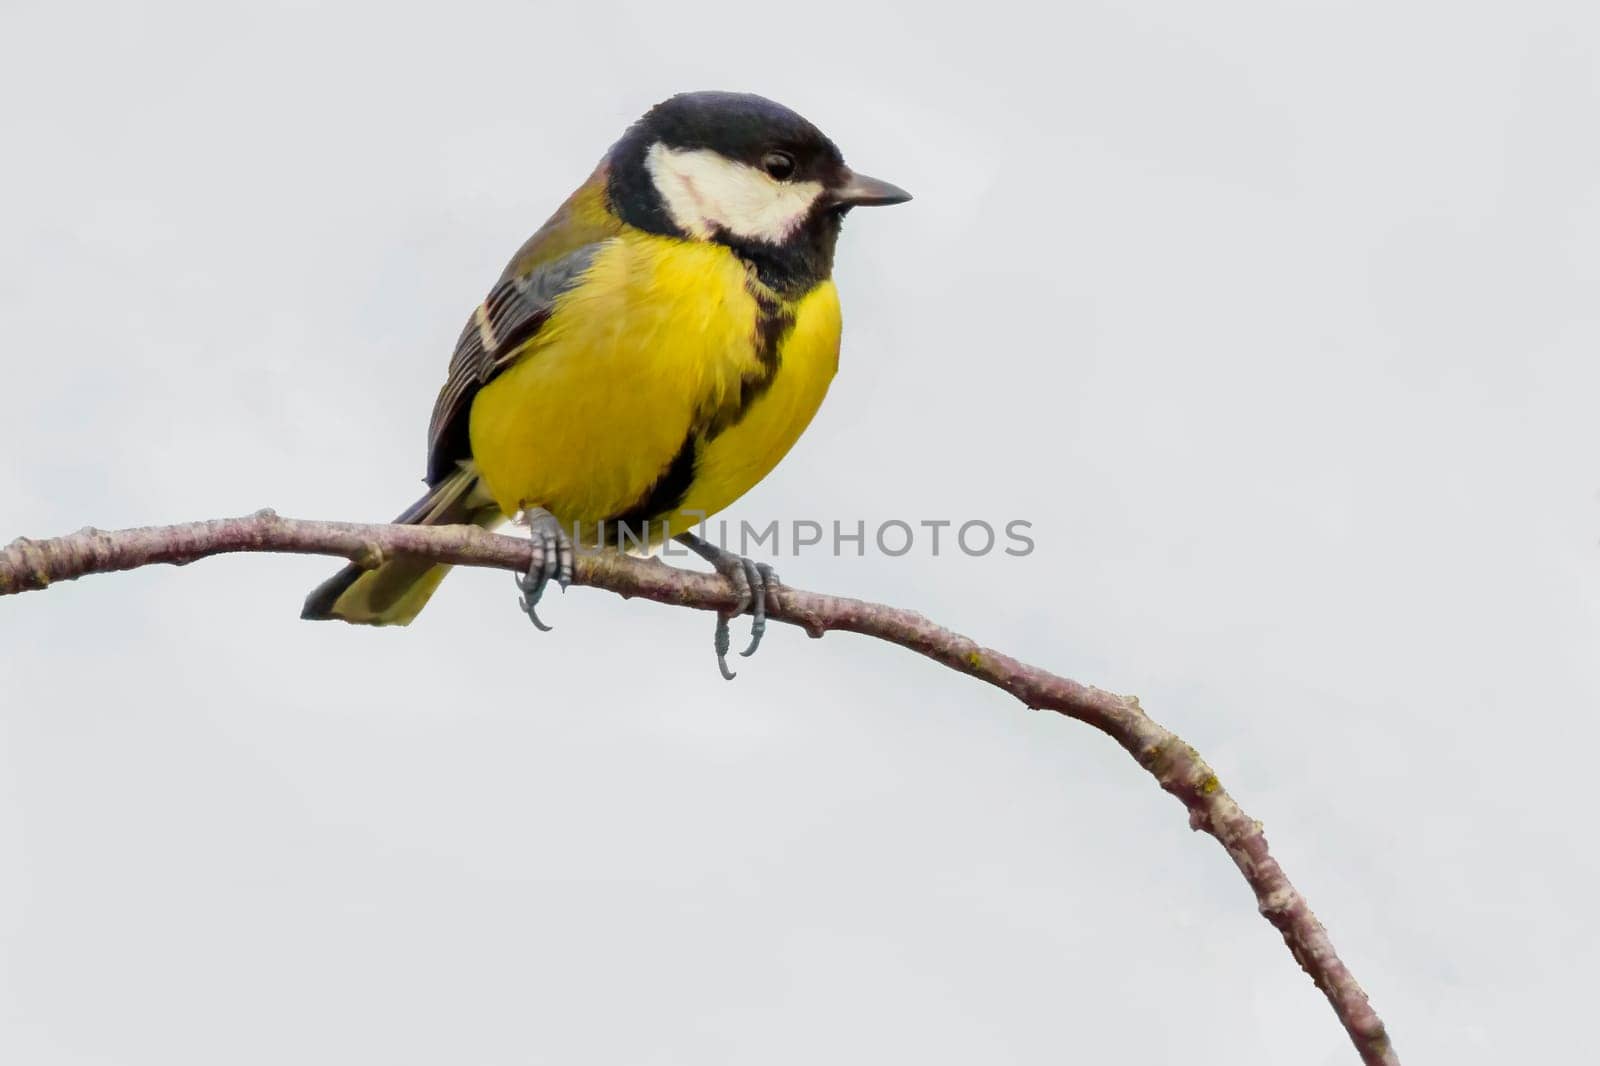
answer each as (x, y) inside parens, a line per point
(552, 560)
(751, 582)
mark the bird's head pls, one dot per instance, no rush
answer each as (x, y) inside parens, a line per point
(743, 171)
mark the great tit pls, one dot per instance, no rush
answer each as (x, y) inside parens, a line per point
(646, 357)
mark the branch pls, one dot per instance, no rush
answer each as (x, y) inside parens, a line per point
(26, 565)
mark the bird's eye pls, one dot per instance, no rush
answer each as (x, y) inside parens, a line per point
(779, 164)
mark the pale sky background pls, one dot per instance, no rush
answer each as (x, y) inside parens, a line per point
(1280, 321)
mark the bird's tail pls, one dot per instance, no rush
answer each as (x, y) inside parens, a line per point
(394, 592)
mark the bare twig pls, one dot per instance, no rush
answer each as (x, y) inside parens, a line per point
(1177, 767)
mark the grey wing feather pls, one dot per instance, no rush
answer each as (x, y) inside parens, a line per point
(498, 329)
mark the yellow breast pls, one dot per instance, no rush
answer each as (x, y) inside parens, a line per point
(602, 399)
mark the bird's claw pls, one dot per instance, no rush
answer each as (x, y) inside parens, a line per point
(765, 578)
(720, 641)
(552, 561)
(751, 582)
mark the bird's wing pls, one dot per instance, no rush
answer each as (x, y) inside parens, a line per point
(551, 262)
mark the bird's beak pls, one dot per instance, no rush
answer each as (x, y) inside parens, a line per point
(859, 190)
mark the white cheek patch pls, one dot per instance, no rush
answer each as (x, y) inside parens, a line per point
(704, 191)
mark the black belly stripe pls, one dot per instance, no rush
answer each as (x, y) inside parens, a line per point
(774, 323)
(658, 501)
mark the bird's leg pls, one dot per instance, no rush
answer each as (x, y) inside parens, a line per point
(750, 580)
(552, 558)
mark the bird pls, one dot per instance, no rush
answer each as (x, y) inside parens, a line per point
(646, 357)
